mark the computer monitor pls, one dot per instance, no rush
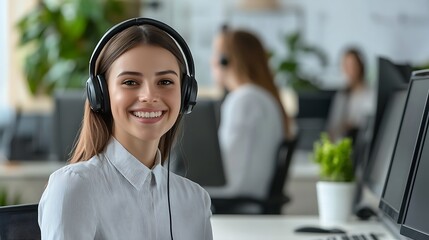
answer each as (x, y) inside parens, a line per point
(397, 180)
(379, 160)
(391, 77)
(197, 154)
(19, 222)
(415, 225)
(67, 118)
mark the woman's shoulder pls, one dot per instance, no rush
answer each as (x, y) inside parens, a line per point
(186, 185)
(252, 94)
(84, 169)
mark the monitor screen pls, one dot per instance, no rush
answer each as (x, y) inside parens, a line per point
(67, 118)
(416, 218)
(197, 154)
(19, 222)
(376, 169)
(397, 183)
(391, 77)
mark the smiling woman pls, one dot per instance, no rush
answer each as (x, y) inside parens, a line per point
(139, 89)
(144, 87)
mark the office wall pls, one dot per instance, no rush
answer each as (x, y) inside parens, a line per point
(392, 28)
(396, 29)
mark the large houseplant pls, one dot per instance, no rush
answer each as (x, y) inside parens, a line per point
(291, 65)
(336, 188)
(59, 37)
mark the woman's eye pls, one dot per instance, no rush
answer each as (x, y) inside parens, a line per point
(165, 82)
(129, 82)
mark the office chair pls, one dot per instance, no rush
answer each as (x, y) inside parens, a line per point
(275, 200)
(19, 222)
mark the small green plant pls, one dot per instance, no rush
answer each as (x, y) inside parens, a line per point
(334, 159)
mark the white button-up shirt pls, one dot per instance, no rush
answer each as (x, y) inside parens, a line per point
(250, 132)
(114, 196)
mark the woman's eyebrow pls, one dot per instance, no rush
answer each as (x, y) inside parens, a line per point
(166, 72)
(130, 73)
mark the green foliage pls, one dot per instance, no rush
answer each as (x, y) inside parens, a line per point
(5, 200)
(334, 159)
(60, 36)
(291, 65)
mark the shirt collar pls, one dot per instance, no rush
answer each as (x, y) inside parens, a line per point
(130, 167)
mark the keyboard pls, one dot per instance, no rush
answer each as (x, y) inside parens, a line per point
(357, 236)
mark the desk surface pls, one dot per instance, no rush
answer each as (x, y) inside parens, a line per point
(236, 227)
(30, 169)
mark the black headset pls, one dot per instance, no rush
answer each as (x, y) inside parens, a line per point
(96, 86)
(223, 61)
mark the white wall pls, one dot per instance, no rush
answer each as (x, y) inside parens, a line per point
(396, 29)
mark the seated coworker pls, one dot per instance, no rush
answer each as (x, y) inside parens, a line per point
(115, 186)
(352, 105)
(253, 120)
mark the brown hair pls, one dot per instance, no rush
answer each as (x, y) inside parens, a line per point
(96, 128)
(248, 58)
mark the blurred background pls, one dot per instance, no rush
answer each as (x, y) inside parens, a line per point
(46, 46)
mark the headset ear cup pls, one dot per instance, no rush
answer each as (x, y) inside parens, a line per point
(189, 94)
(104, 94)
(93, 92)
(223, 61)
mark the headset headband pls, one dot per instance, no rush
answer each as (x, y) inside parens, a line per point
(137, 22)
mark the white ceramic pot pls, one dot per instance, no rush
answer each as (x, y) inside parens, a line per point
(335, 202)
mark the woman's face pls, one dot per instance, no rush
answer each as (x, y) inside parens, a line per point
(351, 68)
(144, 89)
(218, 71)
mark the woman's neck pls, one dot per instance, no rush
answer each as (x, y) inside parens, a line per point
(357, 86)
(144, 151)
(235, 82)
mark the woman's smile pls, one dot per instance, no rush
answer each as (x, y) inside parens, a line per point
(148, 116)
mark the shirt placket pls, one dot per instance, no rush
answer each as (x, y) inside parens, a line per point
(151, 217)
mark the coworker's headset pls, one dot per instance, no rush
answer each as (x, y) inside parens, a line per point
(223, 61)
(96, 86)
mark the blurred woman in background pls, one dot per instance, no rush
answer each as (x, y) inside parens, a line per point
(351, 106)
(253, 119)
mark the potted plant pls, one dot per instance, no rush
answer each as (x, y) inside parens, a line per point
(336, 188)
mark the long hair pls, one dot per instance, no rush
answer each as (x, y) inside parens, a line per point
(96, 128)
(247, 58)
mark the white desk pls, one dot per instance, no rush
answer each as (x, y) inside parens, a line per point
(26, 179)
(236, 227)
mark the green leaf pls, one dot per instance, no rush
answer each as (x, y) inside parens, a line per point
(59, 36)
(334, 159)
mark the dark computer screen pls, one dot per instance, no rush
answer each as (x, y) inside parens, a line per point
(19, 222)
(397, 179)
(197, 154)
(378, 164)
(67, 118)
(391, 77)
(416, 218)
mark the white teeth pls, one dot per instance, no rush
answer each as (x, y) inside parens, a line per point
(147, 114)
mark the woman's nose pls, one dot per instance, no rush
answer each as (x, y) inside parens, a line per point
(148, 94)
